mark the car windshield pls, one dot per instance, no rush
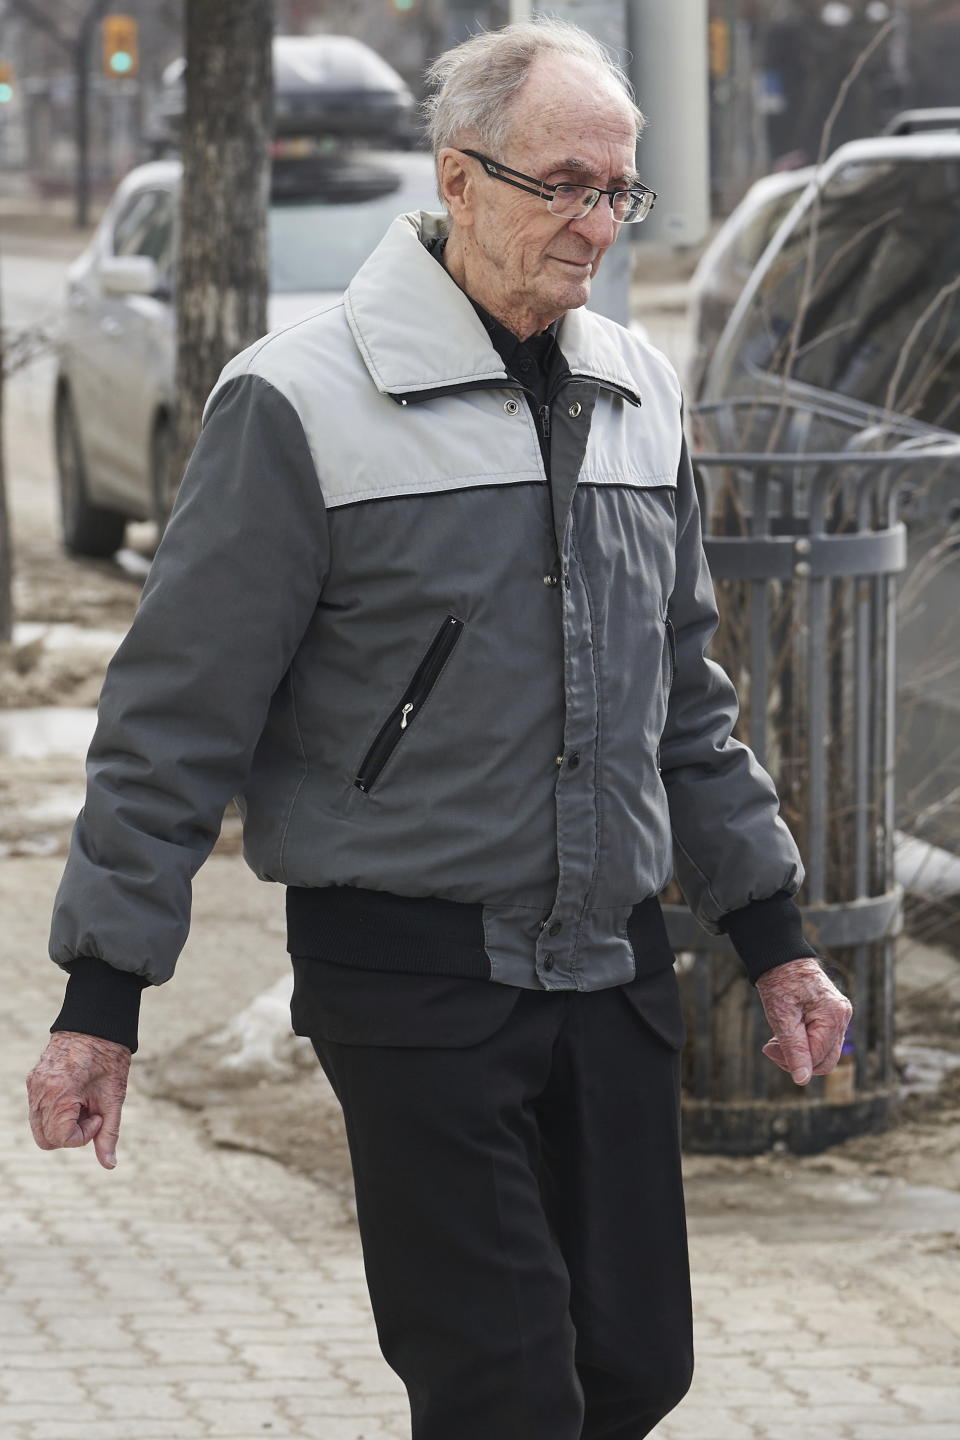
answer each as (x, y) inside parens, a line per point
(874, 313)
(319, 245)
(755, 234)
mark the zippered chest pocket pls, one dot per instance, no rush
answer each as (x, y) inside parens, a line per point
(402, 716)
(671, 654)
(671, 651)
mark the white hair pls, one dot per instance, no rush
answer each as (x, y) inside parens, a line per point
(477, 83)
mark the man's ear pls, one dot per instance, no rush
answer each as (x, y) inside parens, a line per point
(455, 184)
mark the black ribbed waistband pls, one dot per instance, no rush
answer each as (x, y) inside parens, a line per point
(376, 930)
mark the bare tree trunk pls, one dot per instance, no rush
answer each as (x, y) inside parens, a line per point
(81, 80)
(222, 270)
(6, 550)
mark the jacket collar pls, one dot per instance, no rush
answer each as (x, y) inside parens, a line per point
(418, 332)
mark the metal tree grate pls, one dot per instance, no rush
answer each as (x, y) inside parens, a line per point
(805, 546)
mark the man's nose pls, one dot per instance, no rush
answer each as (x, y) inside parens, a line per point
(598, 225)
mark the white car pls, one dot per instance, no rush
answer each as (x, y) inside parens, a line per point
(117, 344)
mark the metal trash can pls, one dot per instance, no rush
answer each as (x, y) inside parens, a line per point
(804, 549)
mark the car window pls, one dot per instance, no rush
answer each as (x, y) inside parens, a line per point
(882, 320)
(319, 246)
(755, 235)
(145, 227)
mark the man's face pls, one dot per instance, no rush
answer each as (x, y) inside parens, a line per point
(568, 126)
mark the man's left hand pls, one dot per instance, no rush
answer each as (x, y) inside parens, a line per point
(808, 1017)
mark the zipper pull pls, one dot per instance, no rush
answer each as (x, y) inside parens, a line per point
(545, 421)
(406, 712)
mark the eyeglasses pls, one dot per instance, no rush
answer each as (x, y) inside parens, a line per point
(572, 202)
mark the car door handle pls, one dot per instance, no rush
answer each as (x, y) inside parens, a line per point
(110, 326)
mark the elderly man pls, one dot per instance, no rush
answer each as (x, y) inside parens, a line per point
(433, 601)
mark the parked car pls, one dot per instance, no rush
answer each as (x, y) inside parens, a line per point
(117, 343)
(913, 122)
(850, 325)
(727, 262)
(874, 242)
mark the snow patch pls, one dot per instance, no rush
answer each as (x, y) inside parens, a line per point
(37, 732)
(258, 1043)
(925, 870)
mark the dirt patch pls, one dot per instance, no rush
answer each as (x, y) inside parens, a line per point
(922, 1146)
(296, 1121)
(53, 587)
(32, 675)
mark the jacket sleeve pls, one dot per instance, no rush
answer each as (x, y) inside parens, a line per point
(230, 593)
(734, 858)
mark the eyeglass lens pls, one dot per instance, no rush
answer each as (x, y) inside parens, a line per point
(575, 201)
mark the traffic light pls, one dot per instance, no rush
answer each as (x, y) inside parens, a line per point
(120, 54)
(7, 82)
(402, 7)
(719, 49)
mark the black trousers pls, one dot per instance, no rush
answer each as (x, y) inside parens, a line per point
(519, 1196)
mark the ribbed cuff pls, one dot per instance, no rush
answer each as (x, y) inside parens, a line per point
(767, 933)
(103, 1001)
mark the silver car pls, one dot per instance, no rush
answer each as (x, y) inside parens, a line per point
(117, 343)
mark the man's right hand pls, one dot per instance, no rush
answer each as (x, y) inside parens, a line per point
(76, 1092)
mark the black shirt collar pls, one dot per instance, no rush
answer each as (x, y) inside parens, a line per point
(524, 360)
(514, 352)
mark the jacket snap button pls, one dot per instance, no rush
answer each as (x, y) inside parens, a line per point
(550, 579)
(574, 410)
(548, 961)
(511, 407)
(555, 928)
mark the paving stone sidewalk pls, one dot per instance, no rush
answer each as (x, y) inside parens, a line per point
(199, 1292)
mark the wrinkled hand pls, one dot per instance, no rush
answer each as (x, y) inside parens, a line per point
(76, 1092)
(808, 1017)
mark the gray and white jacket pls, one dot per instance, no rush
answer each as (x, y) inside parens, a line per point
(421, 668)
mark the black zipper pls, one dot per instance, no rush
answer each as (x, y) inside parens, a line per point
(672, 660)
(405, 712)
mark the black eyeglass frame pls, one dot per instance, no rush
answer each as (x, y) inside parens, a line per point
(544, 191)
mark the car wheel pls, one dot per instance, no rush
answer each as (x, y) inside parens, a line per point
(163, 484)
(87, 529)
